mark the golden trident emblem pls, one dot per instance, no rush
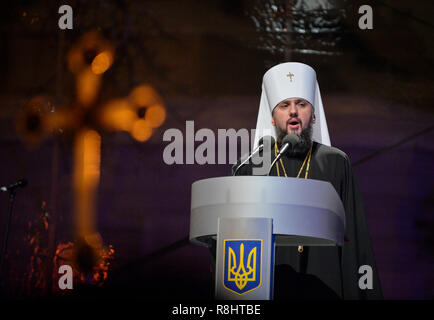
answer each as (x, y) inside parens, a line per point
(239, 274)
(290, 75)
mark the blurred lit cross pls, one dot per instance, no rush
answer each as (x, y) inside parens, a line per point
(139, 113)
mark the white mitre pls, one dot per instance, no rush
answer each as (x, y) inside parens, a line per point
(290, 80)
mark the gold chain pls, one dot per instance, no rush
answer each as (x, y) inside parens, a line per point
(308, 156)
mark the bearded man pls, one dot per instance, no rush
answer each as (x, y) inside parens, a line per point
(291, 104)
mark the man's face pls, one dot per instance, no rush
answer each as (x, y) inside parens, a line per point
(293, 115)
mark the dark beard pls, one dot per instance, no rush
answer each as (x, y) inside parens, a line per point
(301, 148)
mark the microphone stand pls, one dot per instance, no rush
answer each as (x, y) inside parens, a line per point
(282, 151)
(258, 148)
(12, 194)
(263, 142)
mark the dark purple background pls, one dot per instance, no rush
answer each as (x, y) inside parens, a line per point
(203, 60)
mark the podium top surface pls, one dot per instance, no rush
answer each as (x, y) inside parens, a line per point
(303, 210)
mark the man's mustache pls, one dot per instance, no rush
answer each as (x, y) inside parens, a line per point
(294, 119)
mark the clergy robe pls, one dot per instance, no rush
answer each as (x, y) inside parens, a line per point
(326, 272)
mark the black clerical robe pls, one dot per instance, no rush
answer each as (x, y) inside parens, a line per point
(327, 272)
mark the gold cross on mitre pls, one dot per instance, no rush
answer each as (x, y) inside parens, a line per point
(290, 75)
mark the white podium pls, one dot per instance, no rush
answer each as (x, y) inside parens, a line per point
(249, 215)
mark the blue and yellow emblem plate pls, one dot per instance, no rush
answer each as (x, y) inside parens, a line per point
(242, 264)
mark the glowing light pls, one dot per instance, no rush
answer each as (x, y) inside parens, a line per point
(155, 115)
(61, 120)
(75, 60)
(86, 178)
(32, 122)
(91, 156)
(87, 158)
(102, 62)
(65, 254)
(91, 51)
(118, 115)
(88, 85)
(142, 130)
(94, 240)
(143, 96)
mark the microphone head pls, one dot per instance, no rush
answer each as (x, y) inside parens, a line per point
(291, 139)
(267, 139)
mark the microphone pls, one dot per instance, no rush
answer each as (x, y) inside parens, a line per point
(289, 141)
(257, 149)
(19, 184)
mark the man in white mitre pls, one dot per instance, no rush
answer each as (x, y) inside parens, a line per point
(291, 104)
